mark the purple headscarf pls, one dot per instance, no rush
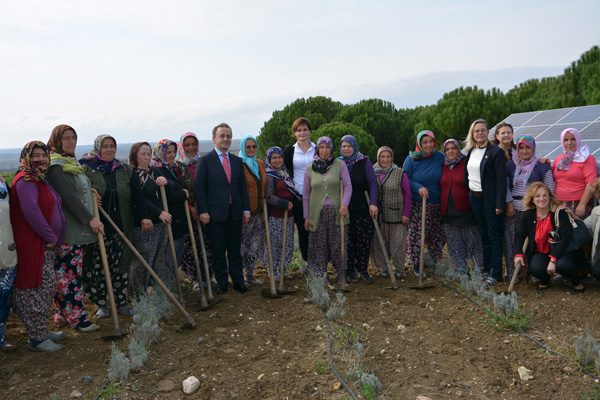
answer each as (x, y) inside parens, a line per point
(319, 165)
(452, 164)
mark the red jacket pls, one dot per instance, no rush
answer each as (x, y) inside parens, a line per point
(455, 179)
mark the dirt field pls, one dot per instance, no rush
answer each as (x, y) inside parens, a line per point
(433, 343)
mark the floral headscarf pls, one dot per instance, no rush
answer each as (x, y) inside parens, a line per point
(452, 164)
(182, 155)
(319, 165)
(34, 170)
(419, 154)
(250, 161)
(68, 161)
(159, 158)
(378, 169)
(281, 172)
(524, 167)
(96, 162)
(579, 155)
(356, 155)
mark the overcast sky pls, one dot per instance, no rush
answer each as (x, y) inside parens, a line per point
(147, 70)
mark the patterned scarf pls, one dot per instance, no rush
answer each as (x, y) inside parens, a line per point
(281, 172)
(182, 155)
(97, 163)
(144, 174)
(319, 165)
(250, 161)
(71, 165)
(524, 167)
(419, 154)
(356, 155)
(382, 171)
(452, 164)
(159, 157)
(34, 170)
(579, 155)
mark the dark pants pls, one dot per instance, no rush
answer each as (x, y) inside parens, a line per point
(302, 233)
(566, 265)
(490, 228)
(224, 237)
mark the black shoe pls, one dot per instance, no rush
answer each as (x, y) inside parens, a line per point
(366, 278)
(541, 288)
(241, 288)
(352, 278)
(221, 290)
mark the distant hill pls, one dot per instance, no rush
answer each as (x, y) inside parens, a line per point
(9, 158)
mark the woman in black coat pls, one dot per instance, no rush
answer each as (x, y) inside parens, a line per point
(538, 221)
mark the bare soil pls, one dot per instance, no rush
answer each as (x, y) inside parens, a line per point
(250, 347)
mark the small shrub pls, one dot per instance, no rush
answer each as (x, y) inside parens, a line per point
(587, 350)
(137, 354)
(369, 386)
(118, 369)
(318, 292)
(337, 310)
(506, 304)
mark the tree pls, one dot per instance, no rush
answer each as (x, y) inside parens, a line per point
(336, 130)
(277, 131)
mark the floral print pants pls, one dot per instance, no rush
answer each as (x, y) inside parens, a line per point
(434, 236)
(324, 245)
(464, 242)
(276, 236)
(188, 265)
(152, 246)
(394, 238)
(360, 234)
(7, 279)
(511, 228)
(68, 297)
(253, 242)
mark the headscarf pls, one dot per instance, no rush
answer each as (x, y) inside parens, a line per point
(356, 155)
(419, 154)
(452, 164)
(181, 154)
(579, 155)
(250, 161)
(319, 165)
(159, 157)
(524, 167)
(378, 169)
(281, 172)
(96, 162)
(70, 164)
(143, 173)
(34, 170)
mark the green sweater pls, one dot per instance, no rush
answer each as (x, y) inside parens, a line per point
(321, 187)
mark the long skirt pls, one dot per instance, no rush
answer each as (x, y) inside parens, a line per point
(152, 246)
(394, 238)
(434, 236)
(464, 242)
(94, 280)
(179, 245)
(68, 297)
(33, 305)
(253, 242)
(276, 236)
(188, 265)
(324, 245)
(7, 279)
(511, 229)
(360, 235)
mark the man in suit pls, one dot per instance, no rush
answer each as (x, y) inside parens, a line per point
(223, 206)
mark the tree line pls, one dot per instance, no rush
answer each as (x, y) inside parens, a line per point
(376, 122)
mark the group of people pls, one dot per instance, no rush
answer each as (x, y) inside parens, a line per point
(493, 198)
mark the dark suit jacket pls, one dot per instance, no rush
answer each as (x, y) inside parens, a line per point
(493, 176)
(528, 228)
(213, 190)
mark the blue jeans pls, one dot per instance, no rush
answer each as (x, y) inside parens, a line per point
(490, 228)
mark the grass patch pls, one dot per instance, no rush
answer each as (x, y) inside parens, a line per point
(519, 319)
(320, 368)
(108, 391)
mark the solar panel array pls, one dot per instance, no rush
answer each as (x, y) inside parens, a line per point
(546, 126)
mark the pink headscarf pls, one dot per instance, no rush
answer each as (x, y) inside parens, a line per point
(579, 155)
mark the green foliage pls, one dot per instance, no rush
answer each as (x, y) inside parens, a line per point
(335, 130)
(9, 178)
(591, 394)
(519, 319)
(587, 351)
(108, 391)
(277, 131)
(369, 386)
(320, 368)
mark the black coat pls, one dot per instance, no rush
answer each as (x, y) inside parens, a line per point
(147, 202)
(527, 230)
(176, 202)
(493, 176)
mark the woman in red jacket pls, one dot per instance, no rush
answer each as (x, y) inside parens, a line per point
(462, 234)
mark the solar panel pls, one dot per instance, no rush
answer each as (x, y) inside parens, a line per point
(546, 127)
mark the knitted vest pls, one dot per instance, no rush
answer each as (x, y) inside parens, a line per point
(322, 187)
(391, 201)
(256, 188)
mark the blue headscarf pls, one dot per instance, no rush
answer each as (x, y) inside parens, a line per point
(250, 161)
(356, 155)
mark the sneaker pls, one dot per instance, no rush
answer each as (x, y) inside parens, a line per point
(384, 272)
(558, 278)
(288, 277)
(416, 271)
(47, 345)
(87, 326)
(249, 278)
(534, 279)
(366, 278)
(400, 274)
(57, 336)
(7, 348)
(196, 287)
(352, 278)
(125, 310)
(102, 312)
(489, 281)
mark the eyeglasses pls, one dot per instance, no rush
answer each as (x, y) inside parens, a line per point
(251, 146)
(480, 131)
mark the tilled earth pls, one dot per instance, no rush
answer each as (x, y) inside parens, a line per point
(432, 343)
